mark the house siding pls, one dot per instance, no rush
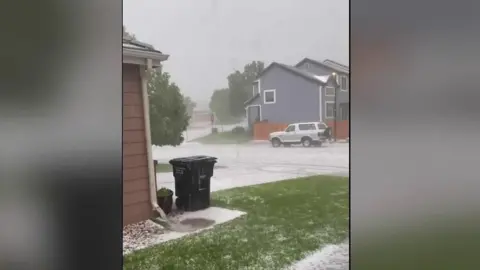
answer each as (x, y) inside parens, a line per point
(253, 113)
(136, 198)
(297, 99)
(342, 95)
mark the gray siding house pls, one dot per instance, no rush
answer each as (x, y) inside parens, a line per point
(325, 68)
(287, 94)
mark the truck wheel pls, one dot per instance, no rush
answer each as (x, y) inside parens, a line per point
(276, 142)
(306, 142)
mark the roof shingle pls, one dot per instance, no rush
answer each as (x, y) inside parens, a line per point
(137, 45)
(297, 71)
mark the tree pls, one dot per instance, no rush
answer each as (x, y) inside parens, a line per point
(168, 113)
(190, 105)
(127, 35)
(228, 103)
(219, 104)
(240, 85)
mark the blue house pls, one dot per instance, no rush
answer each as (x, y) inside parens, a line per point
(286, 94)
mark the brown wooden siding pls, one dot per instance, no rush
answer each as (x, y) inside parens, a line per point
(134, 149)
(136, 198)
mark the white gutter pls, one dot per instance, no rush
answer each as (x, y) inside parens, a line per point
(146, 112)
(145, 54)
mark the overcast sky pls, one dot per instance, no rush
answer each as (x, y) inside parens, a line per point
(208, 39)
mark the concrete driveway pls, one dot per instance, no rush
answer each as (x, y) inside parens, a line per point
(250, 164)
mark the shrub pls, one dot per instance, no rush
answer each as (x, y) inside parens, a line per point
(163, 192)
(214, 130)
(238, 130)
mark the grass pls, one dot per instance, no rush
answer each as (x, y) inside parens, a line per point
(225, 138)
(284, 222)
(163, 167)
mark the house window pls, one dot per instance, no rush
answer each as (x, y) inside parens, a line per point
(269, 96)
(329, 91)
(256, 88)
(343, 82)
(344, 111)
(329, 109)
(307, 66)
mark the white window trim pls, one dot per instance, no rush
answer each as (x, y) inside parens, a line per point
(249, 106)
(253, 88)
(326, 94)
(346, 78)
(274, 91)
(326, 107)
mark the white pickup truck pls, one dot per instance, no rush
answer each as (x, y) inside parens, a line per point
(307, 134)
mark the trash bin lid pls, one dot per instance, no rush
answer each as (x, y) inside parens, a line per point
(192, 159)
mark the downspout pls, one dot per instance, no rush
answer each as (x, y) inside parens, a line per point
(146, 112)
(320, 101)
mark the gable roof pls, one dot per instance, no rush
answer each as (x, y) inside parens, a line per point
(332, 65)
(296, 71)
(336, 65)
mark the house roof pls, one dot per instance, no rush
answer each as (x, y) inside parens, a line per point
(137, 49)
(137, 45)
(250, 100)
(296, 71)
(335, 66)
(306, 75)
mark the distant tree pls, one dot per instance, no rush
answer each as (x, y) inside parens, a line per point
(240, 85)
(168, 113)
(220, 104)
(190, 105)
(127, 35)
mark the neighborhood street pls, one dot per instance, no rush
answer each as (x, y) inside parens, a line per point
(255, 163)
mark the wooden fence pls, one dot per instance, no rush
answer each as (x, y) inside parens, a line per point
(343, 128)
(261, 130)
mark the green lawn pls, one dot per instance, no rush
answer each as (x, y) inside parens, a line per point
(163, 167)
(225, 138)
(284, 221)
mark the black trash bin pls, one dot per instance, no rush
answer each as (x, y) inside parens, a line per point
(192, 181)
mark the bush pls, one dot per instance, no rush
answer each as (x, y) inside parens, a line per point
(163, 192)
(238, 130)
(214, 130)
